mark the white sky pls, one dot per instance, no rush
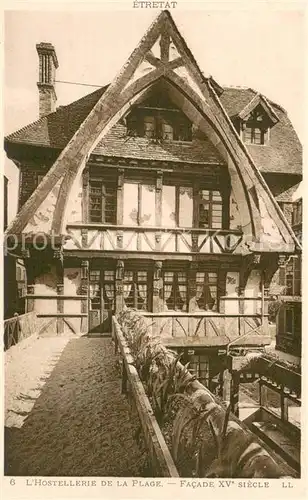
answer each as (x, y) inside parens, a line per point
(260, 48)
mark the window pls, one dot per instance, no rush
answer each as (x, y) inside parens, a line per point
(109, 290)
(170, 125)
(255, 129)
(254, 135)
(150, 127)
(177, 206)
(206, 290)
(293, 276)
(200, 366)
(293, 411)
(297, 213)
(102, 197)
(175, 290)
(136, 289)
(95, 289)
(182, 130)
(139, 204)
(210, 209)
(271, 400)
(102, 287)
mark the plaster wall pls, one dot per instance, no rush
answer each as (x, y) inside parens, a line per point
(253, 290)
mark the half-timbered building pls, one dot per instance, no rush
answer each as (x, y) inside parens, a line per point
(156, 192)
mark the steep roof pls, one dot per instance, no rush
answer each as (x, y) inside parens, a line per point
(282, 155)
(288, 195)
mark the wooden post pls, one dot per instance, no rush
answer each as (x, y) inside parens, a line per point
(85, 195)
(60, 308)
(192, 292)
(283, 405)
(158, 198)
(263, 395)
(58, 259)
(234, 393)
(85, 291)
(226, 385)
(221, 384)
(157, 286)
(124, 378)
(30, 300)
(120, 199)
(119, 286)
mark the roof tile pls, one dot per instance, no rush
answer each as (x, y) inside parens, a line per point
(283, 155)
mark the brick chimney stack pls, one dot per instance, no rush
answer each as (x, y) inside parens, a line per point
(48, 63)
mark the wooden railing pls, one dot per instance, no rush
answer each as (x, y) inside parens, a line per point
(19, 328)
(106, 237)
(208, 328)
(162, 464)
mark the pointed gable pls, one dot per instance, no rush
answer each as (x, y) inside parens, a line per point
(197, 97)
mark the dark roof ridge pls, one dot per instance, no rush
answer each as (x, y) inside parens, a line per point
(103, 87)
(243, 87)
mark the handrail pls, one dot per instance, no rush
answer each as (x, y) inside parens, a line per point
(171, 314)
(18, 328)
(160, 455)
(119, 227)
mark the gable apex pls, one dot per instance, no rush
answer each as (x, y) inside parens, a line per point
(259, 100)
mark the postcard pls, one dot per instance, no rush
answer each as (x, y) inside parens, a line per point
(152, 236)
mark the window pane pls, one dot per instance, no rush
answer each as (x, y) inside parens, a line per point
(216, 196)
(168, 276)
(95, 295)
(168, 206)
(108, 275)
(270, 400)
(110, 204)
(95, 275)
(186, 207)
(205, 195)
(109, 296)
(294, 412)
(95, 200)
(167, 131)
(182, 277)
(200, 277)
(128, 275)
(207, 291)
(149, 127)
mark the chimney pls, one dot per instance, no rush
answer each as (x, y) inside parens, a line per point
(48, 63)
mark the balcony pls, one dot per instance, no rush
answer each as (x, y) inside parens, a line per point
(208, 329)
(111, 238)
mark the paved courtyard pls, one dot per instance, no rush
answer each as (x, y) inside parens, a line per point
(64, 411)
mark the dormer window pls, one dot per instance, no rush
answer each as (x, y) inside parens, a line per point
(255, 129)
(159, 125)
(255, 120)
(254, 135)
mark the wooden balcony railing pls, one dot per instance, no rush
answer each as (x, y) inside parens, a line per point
(105, 237)
(208, 329)
(18, 328)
